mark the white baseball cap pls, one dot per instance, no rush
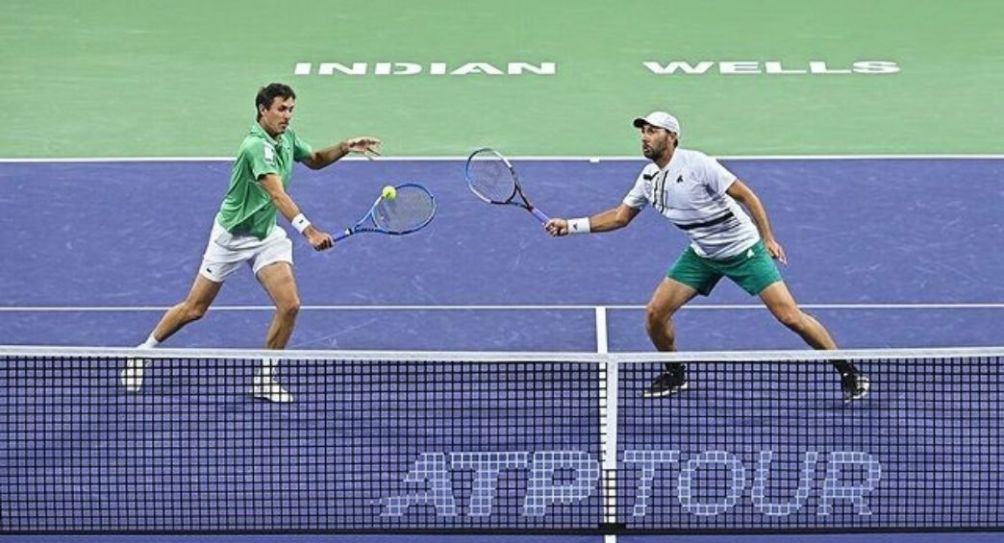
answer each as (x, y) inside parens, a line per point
(659, 119)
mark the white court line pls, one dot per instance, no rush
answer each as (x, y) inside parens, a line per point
(524, 158)
(601, 330)
(514, 307)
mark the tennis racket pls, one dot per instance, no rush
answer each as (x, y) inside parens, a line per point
(492, 178)
(411, 210)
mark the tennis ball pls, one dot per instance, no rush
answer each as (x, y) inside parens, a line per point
(389, 192)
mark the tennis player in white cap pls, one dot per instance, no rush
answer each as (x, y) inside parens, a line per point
(705, 200)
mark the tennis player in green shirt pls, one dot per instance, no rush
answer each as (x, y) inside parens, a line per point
(245, 231)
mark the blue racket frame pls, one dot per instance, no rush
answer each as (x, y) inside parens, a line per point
(525, 203)
(361, 225)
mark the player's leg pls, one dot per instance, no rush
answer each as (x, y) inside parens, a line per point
(274, 269)
(666, 300)
(688, 277)
(278, 280)
(668, 297)
(193, 307)
(782, 305)
(223, 256)
(756, 272)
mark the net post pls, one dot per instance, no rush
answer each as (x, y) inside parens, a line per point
(608, 383)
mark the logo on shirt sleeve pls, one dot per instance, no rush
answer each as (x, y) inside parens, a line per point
(269, 154)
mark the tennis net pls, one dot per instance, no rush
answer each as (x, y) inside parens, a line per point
(499, 442)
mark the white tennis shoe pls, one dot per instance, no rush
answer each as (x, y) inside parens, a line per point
(265, 387)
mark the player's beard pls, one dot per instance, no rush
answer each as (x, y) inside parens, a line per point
(651, 152)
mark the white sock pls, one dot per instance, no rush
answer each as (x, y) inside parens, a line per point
(150, 343)
(267, 367)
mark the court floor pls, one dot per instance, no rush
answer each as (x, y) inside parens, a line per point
(885, 252)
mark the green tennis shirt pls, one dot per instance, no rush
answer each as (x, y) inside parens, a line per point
(247, 209)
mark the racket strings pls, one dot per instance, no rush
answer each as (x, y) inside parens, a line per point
(410, 210)
(490, 178)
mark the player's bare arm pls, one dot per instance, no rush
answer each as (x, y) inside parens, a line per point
(605, 221)
(364, 145)
(745, 196)
(272, 184)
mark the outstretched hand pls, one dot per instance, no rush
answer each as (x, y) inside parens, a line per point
(364, 145)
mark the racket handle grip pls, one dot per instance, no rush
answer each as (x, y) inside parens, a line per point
(344, 234)
(540, 215)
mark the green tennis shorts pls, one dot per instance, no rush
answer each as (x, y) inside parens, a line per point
(753, 270)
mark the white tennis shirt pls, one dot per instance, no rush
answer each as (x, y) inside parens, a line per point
(690, 192)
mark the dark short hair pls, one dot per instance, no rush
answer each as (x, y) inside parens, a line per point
(270, 92)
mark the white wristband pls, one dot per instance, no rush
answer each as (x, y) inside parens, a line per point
(578, 226)
(300, 223)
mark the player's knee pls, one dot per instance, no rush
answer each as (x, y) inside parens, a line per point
(289, 308)
(656, 314)
(791, 317)
(656, 319)
(653, 317)
(194, 311)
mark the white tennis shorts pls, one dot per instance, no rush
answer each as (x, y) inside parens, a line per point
(226, 252)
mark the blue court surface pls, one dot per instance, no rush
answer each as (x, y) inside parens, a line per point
(868, 240)
(885, 252)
